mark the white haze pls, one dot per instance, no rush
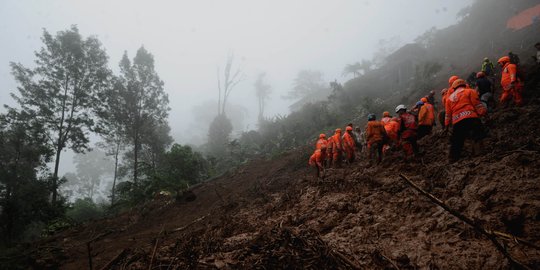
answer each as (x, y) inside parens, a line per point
(190, 39)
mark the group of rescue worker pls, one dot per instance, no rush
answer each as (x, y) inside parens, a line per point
(461, 109)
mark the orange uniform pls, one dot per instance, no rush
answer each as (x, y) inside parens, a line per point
(426, 116)
(463, 103)
(320, 143)
(316, 159)
(348, 146)
(392, 129)
(336, 147)
(375, 132)
(385, 120)
(511, 84)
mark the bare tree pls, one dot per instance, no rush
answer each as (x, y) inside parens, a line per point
(262, 91)
(230, 80)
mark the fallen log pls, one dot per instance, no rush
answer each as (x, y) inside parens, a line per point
(114, 259)
(469, 221)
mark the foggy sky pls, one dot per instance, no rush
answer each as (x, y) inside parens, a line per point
(189, 39)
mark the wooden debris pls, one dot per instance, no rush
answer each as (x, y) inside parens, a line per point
(480, 229)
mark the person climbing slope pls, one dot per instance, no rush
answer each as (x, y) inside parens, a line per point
(376, 137)
(322, 142)
(510, 82)
(463, 111)
(348, 145)
(317, 161)
(337, 148)
(392, 129)
(407, 131)
(426, 118)
(485, 89)
(444, 93)
(488, 68)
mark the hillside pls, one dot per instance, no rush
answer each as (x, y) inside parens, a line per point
(274, 214)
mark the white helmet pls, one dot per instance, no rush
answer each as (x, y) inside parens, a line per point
(400, 107)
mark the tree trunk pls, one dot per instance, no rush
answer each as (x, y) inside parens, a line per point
(55, 174)
(115, 172)
(136, 159)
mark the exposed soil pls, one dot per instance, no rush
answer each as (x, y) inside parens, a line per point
(274, 214)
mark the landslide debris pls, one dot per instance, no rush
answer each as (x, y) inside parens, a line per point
(274, 214)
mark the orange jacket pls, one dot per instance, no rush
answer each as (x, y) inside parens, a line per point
(375, 131)
(426, 116)
(509, 75)
(320, 143)
(386, 120)
(392, 129)
(348, 142)
(463, 103)
(316, 159)
(336, 142)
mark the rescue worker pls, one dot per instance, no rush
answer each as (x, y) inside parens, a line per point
(348, 145)
(329, 151)
(337, 148)
(510, 82)
(376, 137)
(407, 131)
(485, 89)
(352, 133)
(322, 142)
(317, 161)
(488, 68)
(392, 129)
(444, 94)
(386, 118)
(463, 111)
(426, 119)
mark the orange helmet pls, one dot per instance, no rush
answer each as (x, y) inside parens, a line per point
(322, 136)
(348, 128)
(452, 79)
(458, 83)
(503, 60)
(423, 100)
(480, 74)
(338, 130)
(385, 114)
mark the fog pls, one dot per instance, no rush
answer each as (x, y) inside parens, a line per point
(191, 39)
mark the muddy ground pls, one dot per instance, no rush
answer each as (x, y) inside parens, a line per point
(273, 214)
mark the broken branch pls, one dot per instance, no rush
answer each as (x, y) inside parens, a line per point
(467, 220)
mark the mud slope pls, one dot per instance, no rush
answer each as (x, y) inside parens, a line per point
(274, 214)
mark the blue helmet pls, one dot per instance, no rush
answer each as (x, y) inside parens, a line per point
(371, 117)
